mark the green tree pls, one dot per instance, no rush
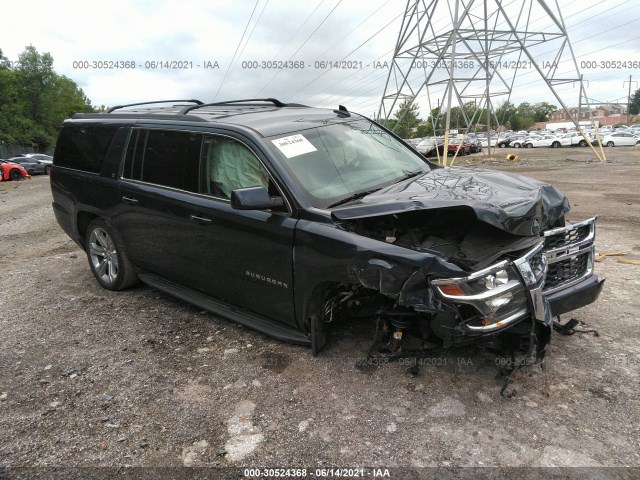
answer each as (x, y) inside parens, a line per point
(634, 106)
(504, 113)
(4, 61)
(435, 119)
(34, 100)
(15, 128)
(542, 110)
(406, 119)
(424, 130)
(36, 78)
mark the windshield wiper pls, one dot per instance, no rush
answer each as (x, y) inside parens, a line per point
(410, 174)
(354, 197)
(359, 195)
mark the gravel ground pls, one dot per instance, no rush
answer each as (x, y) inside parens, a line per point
(92, 378)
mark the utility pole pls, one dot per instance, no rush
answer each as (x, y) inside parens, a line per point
(629, 98)
(461, 51)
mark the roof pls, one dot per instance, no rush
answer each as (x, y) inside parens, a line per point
(267, 117)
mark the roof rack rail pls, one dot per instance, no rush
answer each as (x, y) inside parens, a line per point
(275, 101)
(151, 103)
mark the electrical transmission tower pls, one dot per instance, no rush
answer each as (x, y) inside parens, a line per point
(468, 54)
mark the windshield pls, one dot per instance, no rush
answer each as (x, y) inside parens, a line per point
(333, 163)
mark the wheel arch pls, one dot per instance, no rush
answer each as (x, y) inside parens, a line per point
(83, 219)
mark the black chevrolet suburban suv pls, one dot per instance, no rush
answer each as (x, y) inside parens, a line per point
(284, 218)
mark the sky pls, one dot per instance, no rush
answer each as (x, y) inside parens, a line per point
(219, 50)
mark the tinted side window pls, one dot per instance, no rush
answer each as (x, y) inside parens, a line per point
(83, 147)
(170, 158)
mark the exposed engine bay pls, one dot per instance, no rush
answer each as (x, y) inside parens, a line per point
(454, 233)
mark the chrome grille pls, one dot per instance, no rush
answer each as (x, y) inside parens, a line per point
(570, 252)
(570, 236)
(566, 270)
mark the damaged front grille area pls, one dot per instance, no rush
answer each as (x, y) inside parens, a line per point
(570, 254)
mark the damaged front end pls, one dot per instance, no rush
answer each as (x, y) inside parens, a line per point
(472, 283)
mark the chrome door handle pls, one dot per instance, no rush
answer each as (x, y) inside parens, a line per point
(202, 220)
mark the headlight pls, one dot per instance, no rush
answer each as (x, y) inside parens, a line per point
(501, 277)
(497, 293)
(489, 282)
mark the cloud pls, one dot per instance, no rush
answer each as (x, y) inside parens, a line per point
(201, 31)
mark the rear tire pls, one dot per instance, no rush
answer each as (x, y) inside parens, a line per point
(582, 143)
(47, 170)
(610, 144)
(555, 145)
(107, 260)
(528, 145)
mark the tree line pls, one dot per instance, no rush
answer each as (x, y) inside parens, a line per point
(34, 100)
(407, 123)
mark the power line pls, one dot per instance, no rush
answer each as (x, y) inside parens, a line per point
(303, 44)
(353, 51)
(236, 52)
(251, 33)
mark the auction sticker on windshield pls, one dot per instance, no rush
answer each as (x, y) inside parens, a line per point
(294, 145)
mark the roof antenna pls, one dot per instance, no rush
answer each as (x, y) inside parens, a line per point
(342, 111)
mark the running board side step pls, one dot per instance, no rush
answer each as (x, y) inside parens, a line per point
(269, 327)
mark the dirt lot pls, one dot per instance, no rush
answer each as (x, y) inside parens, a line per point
(93, 378)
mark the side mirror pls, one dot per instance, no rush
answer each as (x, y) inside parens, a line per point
(254, 198)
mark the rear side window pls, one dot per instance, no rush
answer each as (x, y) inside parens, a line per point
(83, 147)
(168, 158)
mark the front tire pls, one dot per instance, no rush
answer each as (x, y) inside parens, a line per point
(15, 174)
(610, 144)
(107, 260)
(555, 145)
(529, 145)
(582, 143)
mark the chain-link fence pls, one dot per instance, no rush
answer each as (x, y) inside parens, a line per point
(14, 151)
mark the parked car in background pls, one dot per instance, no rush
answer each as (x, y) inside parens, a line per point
(517, 140)
(544, 141)
(484, 142)
(12, 171)
(33, 166)
(474, 143)
(41, 157)
(503, 142)
(619, 138)
(430, 147)
(572, 139)
(465, 149)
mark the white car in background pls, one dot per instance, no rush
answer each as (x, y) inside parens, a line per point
(542, 141)
(619, 138)
(573, 139)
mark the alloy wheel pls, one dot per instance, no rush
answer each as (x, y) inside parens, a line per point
(103, 255)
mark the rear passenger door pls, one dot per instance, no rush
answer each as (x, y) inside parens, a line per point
(176, 220)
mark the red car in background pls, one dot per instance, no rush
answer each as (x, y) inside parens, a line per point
(465, 149)
(12, 171)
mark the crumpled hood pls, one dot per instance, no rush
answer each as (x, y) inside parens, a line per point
(513, 203)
